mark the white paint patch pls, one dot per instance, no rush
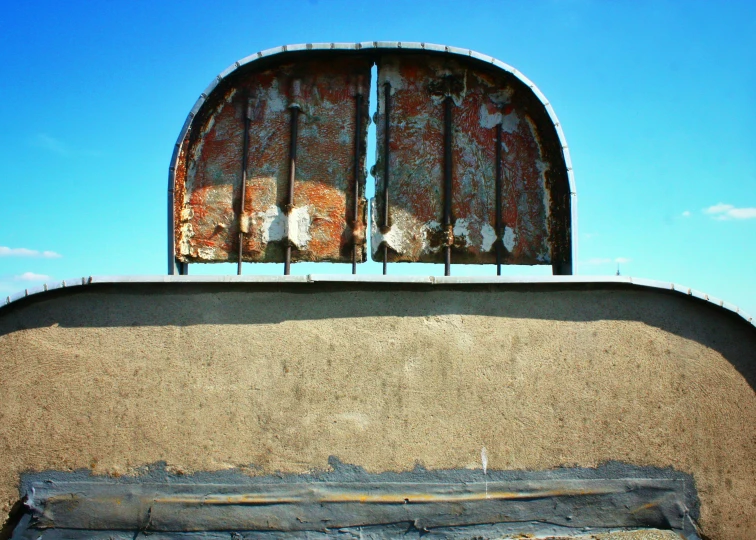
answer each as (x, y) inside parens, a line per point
(275, 225)
(510, 239)
(274, 101)
(489, 237)
(185, 239)
(462, 230)
(299, 224)
(486, 119)
(187, 213)
(405, 231)
(390, 74)
(510, 122)
(206, 253)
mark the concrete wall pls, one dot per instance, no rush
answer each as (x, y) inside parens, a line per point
(275, 377)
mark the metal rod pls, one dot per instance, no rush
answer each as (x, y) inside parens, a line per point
(172, 262)
(357, 156)
(499, 235)
(386, 152)
(448, 180)
(292, 173)
(245, 157)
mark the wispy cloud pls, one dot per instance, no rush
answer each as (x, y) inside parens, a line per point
(51, 144)
(25, 252)
(14, 283)
(686, 213)
(597, 261)
(31, 276)
(728, 211)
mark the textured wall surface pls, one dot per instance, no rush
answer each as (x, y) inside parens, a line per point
(280, 377)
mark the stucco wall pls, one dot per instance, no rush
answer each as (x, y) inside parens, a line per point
(280, 377)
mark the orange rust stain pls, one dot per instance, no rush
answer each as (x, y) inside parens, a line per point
(211, 163)
(379, 498)
(417, 159)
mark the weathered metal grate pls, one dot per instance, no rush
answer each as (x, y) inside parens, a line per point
(471, 165)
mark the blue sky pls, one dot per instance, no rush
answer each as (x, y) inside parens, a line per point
(657, 100)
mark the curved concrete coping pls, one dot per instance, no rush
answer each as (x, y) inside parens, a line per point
(413, 280)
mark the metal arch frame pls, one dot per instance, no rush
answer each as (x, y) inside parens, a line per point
(182, 268)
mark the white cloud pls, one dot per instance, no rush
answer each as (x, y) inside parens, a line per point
(717, 208)
(51, 144)
(686, 213)
(728, 211)
(31, 276)
(25, 252)
(742, 213)
(622, 260)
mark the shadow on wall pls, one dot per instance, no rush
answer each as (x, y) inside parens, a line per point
(191, 304)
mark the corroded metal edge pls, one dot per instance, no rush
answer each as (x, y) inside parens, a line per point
(365, 46)
(410, 280)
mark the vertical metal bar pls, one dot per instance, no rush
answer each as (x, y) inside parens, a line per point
(357, 156)
(172, 262)
(245, 157)
(292, 173)
(386, 153)
(448, 180)
(499, 233)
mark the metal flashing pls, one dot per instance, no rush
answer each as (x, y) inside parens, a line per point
(376, 279)
(457, 503)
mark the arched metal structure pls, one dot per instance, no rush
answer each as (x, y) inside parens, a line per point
(472, 164)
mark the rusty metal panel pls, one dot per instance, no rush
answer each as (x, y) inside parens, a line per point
(534, 190)
(318, 95)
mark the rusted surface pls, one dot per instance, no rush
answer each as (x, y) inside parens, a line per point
(535, 193)
(318, 225)
(325, 220)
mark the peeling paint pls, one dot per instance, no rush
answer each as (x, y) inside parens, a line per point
(207, 190)
(208, 174)
(273, 225)
(509, 239)
(400, 237)
(483, 99)
(488, 234)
